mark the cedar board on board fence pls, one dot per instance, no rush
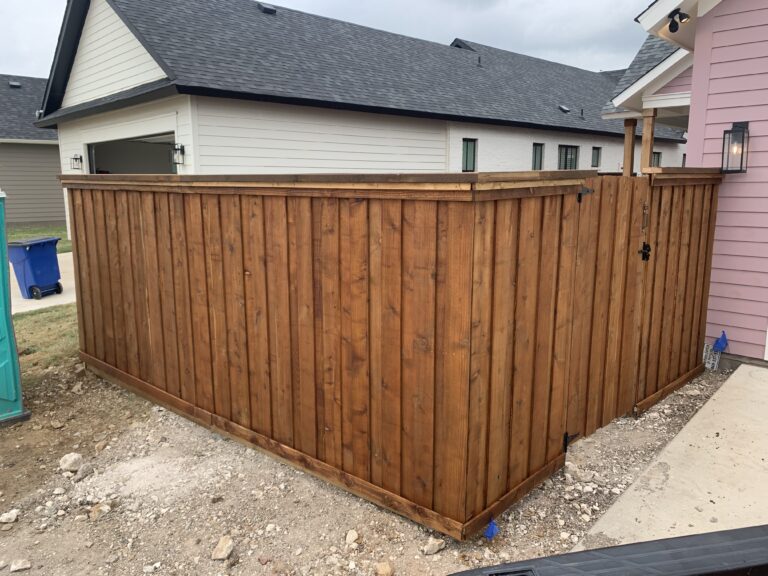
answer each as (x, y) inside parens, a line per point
(426, 342)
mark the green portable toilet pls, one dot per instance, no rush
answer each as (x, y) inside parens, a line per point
(11, 408)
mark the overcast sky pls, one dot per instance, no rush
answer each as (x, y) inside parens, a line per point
(596, 34)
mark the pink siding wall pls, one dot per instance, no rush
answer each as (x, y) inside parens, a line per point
(682, 83)
(730, 84)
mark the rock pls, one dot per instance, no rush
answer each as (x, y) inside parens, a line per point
(20, 565)
(100, 446)
(99, 510)
(59, 492)
(112, 559)
(280, 568)
(80, 370)
(692, 392)
(10, 517)
(56, 425)
(3, 563)
(77, 388)
(223, 549)
(151, 568)
(352, 537)
(615, 491)
(71, 462)
(433, 546)
(384, 569)
(565, 535)
(85, 471)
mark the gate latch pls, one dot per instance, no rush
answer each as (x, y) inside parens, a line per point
(645, 253)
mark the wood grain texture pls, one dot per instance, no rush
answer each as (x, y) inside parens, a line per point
(430, 355)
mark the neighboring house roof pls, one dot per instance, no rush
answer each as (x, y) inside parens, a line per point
(18, 106)
(652, 53)
(232, 48)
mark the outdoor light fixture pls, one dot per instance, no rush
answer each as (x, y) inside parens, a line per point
(178, 154)
(736, 148)
(76, 162)
(677, 16)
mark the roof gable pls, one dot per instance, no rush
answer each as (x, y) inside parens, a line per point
(18, 107)
(109, 58)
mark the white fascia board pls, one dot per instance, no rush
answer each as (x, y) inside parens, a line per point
(657, 77)
(674, 100)
(44, 142)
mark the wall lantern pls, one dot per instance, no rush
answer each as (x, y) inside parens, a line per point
(76, 162)
(178, 154)
(736, 148)
(675, 16)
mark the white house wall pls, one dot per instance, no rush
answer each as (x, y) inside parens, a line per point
(172, 114)
(501, 148)
(243, 137)
(109, 59)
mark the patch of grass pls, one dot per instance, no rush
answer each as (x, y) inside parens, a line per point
(19, 232)
(45, 338)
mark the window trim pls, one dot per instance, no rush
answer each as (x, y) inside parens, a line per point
(540, 147)
(654, 162)
(564, 149)
(464, 148)
(599, 151)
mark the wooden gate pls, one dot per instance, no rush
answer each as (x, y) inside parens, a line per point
(643, 262)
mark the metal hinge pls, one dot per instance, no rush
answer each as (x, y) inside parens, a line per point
(568, 439)
(645, 253)
(584, 192)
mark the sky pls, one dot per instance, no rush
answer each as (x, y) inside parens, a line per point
(592, 34)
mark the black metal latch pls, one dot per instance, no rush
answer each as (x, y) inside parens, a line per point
(645, 253)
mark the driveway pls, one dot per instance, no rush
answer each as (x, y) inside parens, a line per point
(711, 477)
(66, 265)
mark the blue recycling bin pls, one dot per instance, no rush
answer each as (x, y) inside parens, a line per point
(36, 266)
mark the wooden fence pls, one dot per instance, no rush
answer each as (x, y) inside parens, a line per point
(426, 342)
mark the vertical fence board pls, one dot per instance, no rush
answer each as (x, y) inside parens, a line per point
(689, 316)
(182, 297)
(96, 292)
(236, 315)
(502, 347)
(682, 284)
(551, 251)
(167, 294)
(480, 357)
(76, 263)
(699, 304)
(152, 290)
(201, 329)
(526, 310)
(141, 306)
(279, 310)
(116, 281)
(85, 298)
(454, 321)
(649, 285)
(256, 314)
(102, 253)
(605, 248)
(562, 360)
(418, 355)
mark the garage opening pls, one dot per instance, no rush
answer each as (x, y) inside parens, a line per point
(143, 155)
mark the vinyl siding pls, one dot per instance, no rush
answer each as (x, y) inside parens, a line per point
(29, 176)
(730, 84)
(680, 84)
(109, 59)
(241, 137)
(172, 114)
(501, 148)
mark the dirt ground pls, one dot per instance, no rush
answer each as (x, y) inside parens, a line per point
(164, 491)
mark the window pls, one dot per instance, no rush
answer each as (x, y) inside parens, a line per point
(568, 158)
(597, 154)
(538, 156)
(469, 155)
(656, 160)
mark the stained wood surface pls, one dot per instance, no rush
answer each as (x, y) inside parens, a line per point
(430, 352)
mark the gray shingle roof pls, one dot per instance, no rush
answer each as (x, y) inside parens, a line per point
(652, 53)
(18, 107)
(232, 48)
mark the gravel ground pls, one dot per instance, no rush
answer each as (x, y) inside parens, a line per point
(163, 493)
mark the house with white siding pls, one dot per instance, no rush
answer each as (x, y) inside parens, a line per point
(243, 87)
(704, 67)
(29, 156)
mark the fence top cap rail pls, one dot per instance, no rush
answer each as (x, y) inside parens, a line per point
(683, 171)
(330, 180)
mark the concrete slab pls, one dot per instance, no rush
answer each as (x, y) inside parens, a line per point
(712, 476)
(67, 268)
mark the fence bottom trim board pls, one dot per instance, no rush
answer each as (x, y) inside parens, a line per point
(348, 482)
(658, 396)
